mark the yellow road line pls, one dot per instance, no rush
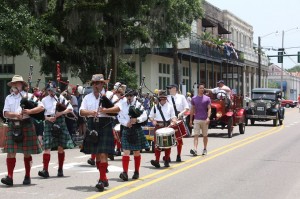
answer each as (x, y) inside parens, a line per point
(230, 146)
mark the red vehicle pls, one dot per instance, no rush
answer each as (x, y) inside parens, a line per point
(225, 113)
(288, 103)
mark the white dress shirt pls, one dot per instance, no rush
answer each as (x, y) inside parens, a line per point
(12, 102)
(180, 102)
(50, 102)
(91, 103)
(167, 110)
(123, 116)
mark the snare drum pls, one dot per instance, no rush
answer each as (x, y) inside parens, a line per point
(165, 138)
(117, 132)
(180, 130)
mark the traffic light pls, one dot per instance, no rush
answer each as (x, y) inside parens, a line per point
(280, 57)
(298, 57)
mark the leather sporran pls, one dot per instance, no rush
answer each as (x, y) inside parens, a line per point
(91, 136)
(132, 135)
(56, 130)
(17, 134)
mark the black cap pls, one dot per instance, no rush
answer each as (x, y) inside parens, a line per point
(220, 81)
(172, 86)
(130, 91)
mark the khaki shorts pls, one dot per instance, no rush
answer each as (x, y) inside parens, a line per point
(200, 126)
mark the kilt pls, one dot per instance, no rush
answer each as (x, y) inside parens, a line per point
(64, 140)
(105, 142)
(39, 126)
(30, 144)
(141, 143)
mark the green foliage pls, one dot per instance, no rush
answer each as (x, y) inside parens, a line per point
(20, 31)
(127, 74)
(294, 69)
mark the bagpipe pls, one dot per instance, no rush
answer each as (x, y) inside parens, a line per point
(136, 111)
(26, 103)
(106, 102)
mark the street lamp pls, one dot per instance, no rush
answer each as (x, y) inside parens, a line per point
(259, 56)
(282, 46)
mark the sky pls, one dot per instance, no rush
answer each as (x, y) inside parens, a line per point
(266, 17)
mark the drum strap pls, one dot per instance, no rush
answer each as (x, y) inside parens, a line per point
(174, 105)
(161, 113)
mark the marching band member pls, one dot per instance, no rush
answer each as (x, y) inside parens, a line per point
(21, 136)
(56, 134)
(181, 106)
(133, 137)
(101, 124)
(161, 115)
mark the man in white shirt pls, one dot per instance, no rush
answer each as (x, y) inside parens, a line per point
(160, 121)
(181, 106)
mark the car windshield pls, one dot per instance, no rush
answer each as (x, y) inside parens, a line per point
(265, 96)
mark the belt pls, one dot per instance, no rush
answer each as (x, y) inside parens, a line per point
(24, 120)
(50, 115)
(134, 125)
(101, 119)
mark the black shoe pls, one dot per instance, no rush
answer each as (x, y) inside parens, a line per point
(91, 162)
(44, 173)
(124, 176)
(105, 183)
(178, 158)
(8, 181)
(26, 181)
(155, 163)
(100, 186)
(111, 157)
(167, 164)
(60, 173)
(135, 175)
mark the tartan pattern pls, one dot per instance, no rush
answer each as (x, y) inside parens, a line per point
(141, 143)
(30, 144)
(105, 139)
(64, 140)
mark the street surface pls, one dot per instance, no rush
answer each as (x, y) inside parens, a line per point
(262, 163)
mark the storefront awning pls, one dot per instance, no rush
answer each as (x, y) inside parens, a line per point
(207, 23)
(222, 30)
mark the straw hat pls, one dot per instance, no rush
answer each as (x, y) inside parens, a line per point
(17, 78)
(98, 78)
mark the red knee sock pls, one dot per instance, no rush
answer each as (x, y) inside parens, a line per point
(167, 154)
(93, 156)
(11, 163)
(137, 163)
(61, 158)
(27, 164)
(102, 169)
(157, 154)
(179, 148)
(119, 146)
(125, 163)
(46, 160)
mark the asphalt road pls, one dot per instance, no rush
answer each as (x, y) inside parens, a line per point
(262, 163)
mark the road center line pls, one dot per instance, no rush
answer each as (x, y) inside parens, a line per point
(229, 147)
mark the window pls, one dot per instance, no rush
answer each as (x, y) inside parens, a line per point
(7, 68)
(164, 75)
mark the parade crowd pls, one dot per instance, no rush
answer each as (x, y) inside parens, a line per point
(103, 123)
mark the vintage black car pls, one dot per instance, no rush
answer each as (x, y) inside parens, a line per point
(265, 105)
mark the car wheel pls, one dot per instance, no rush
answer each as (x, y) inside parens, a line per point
(230, 127)
(242, 127)
(280, 122)
(287, 106)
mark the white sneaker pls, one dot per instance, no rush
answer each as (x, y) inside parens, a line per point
(204, 152)
(193, 152)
